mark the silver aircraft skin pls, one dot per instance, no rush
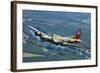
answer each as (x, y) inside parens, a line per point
(59, 40)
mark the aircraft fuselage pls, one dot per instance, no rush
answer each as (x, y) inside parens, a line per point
(55, 38)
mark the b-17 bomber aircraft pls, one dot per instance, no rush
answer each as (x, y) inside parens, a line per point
(59, 40)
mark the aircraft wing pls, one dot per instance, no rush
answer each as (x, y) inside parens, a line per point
(35, 30)
(83, 43)
(75, 46)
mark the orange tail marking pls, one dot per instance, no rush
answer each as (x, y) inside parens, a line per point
(78, 34)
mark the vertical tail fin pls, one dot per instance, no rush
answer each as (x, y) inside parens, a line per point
(78, 34)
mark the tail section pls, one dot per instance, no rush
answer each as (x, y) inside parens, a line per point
(78, 34)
